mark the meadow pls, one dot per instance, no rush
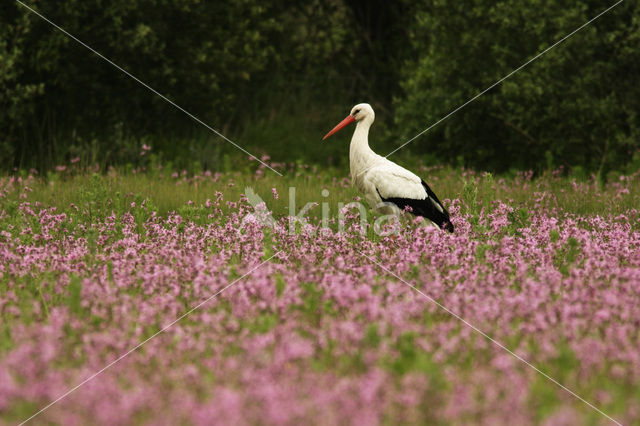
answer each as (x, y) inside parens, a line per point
(317, 325)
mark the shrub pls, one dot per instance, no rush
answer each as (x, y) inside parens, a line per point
(575, 106)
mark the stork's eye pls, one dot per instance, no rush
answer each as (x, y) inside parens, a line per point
(356, 111)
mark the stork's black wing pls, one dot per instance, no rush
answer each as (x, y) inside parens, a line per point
(430, 207)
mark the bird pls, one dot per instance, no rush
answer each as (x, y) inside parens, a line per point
(387, 187)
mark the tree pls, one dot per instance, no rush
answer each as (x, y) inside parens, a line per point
(212, 58)
(575, 106)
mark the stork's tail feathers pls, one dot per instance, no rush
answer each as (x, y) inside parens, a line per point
(440, 213)
(448, 226)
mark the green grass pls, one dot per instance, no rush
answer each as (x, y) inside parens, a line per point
(100, 194)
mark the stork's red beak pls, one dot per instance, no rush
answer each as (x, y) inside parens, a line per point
(348, 120)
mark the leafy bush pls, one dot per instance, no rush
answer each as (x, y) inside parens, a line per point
(212, 58)
(275, 76)
(575, 106)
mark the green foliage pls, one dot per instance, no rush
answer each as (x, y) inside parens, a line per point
(470, 196)
(518, 219)
(276, 76)
(215, 59)
(481, 251)
(478, 194)
(75, 295)
(567, 255)
(262, 323)
(575, 106)
(372, 336)
(94, 196)
(280, 285)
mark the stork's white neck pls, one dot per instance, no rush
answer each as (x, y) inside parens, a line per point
(361, 157)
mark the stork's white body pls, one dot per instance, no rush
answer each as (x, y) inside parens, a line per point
(387, 187)
(376, 176)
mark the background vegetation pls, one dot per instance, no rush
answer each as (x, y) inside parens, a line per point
(276, 76)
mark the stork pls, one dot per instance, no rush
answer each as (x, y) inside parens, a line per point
(387, 187)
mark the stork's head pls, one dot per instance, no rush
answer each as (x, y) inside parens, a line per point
(360, 112)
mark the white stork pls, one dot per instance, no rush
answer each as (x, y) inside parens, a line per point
(387, 187)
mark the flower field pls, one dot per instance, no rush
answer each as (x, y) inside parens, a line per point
(317, 326)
